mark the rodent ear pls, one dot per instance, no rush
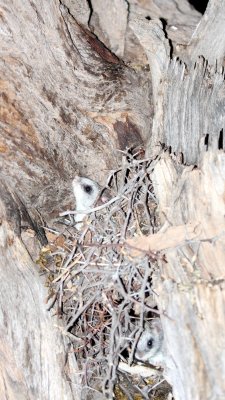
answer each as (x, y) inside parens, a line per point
(104, 199)
(105, 196)
(156, 323)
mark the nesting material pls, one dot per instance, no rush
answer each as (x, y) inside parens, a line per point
(102, 292)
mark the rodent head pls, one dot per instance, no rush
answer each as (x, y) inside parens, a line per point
(150, 344)
(86, 192)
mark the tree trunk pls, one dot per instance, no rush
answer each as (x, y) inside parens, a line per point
(190, 186)
(76, 88)
(33, 352)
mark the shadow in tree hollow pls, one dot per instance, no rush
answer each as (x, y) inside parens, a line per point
(199, 5)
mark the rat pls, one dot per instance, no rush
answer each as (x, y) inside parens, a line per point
(87, 192)
(150, 344)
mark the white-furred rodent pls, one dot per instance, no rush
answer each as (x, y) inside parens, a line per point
(86, 192)
(150, 344)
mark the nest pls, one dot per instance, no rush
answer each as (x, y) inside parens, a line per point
(101, 291)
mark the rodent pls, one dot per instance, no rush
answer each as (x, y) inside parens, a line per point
(150, 344)
(86, 192)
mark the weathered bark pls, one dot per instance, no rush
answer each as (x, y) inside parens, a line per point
(208, 38)
(67, 104)
(33, 355)
(188, 119)
(117, 34)
(191, 284)
(188, 101)
(110, 26)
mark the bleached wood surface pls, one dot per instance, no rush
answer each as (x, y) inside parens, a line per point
(113, 24)
(67, 103)
(208, 38)
(191, 284)
(188, 100)
(33, 360)
(188, 96)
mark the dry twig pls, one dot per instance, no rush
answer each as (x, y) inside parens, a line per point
(101, 289)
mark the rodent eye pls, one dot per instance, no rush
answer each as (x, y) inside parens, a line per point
(87, 188)
(150, 343)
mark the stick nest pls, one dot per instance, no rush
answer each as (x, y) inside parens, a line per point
(101, 291)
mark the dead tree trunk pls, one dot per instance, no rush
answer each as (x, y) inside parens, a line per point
(68, 103)
(190, 185)
(33, 363)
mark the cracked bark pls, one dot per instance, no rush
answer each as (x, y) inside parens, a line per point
(190, 186)
(73, 91)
